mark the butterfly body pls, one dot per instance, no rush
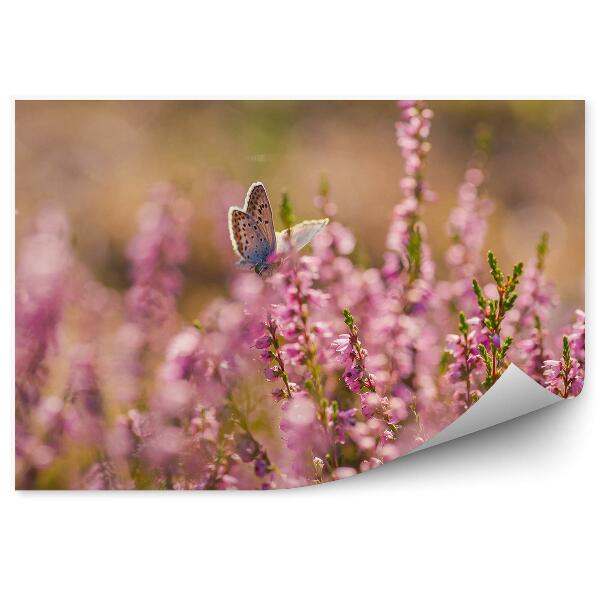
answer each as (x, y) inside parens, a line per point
(254, 238)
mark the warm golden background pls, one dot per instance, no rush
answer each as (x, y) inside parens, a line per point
(97, 159)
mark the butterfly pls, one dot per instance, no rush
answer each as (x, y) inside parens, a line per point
(253, 234)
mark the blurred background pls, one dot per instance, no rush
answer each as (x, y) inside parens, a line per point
(97, 159)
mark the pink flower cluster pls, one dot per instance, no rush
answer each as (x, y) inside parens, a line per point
(327, 368)
(156, 254)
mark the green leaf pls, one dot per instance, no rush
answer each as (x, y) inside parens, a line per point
(324, 187)
(286, 212)
(494, 269)
(348, 318)
(479, 294)
(517, 272)
(542, 251)
(445, 361)
(414, 252)
(462, 323)
(505, 347)
(566, 351)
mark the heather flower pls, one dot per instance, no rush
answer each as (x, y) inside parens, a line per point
(84, 411)
(343, 472)
(467, 227)
(371, 404)
(400, 327)
(372, 463)
(127, 366)
(531, 313)
(360, 381)
(273, 354)
(44, 265)
(536, 297)
(318, 466)
(564, 377)
(301, 431)
(343, 346)
(323, 201)
(412, 132)
(302, 345)
(247, 447)
(261, 467)
(353, 355)
(464, 358)
(533, 350)
(83, 381)
(156, 254)
(183, 355)
(396, 410)
(100, 476)
(342, 420)
(577, 337)
(405, 239)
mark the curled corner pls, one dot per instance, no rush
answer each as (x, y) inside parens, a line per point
(513, 395)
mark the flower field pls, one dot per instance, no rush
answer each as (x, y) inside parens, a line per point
(333, 364)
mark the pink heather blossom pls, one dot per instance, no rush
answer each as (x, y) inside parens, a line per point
(465, 362)
(183, 355)
(577, 337)
(343, 421)
(156, 254)
(353, 355)
(44, 264)
(467, 226)
(262, 342)
(564, 377)
(343, 346)
(562, 380)
(372, 463)
(372, 403)
(344, 472)
(272, 373)
(83, 381)
(536, 296)
(400, 330)
(534, 353)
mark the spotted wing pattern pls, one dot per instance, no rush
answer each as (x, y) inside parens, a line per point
(247, 238)
(257, 205)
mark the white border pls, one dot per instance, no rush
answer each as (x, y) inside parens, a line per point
(512, 512)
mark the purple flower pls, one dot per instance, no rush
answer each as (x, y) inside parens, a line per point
(343, 346)
(352, 378)
(261, 468)
(564, 377)
(156, 254)
(344, 420)
(262, 342)
(246, 447)
(372, 403)
(464, 358)
(577, 337)
(272, 373)
(83, 381)
(44, 265)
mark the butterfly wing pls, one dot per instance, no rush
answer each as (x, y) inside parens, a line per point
(301, 234)
(257, 205)
(247, 239)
